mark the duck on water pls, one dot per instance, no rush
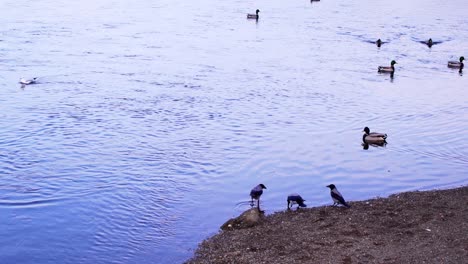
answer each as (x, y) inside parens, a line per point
(253, 16)
(387, 69)
(457, 64)
(373, 137)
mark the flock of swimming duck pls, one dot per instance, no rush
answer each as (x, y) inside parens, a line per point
(390, 69)
(381, 69)
(369, 138)
(372, 138)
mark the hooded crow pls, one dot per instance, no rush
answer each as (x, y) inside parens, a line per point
(336, 196)
(255, 194)
(296, 199)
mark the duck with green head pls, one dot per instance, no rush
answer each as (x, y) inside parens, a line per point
(373, 137)
(386, 69)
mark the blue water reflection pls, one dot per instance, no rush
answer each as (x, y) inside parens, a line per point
(151, 122)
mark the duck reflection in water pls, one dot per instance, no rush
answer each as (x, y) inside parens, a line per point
(365, 145)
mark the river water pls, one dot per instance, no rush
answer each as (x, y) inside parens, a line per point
(152, 120)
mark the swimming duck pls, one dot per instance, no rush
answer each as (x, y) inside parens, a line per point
(429, 43)
(457, 64)
(252, 16)
(374, 137)
(26, 81)
(386, 69)
(379, 43)
(295, 199)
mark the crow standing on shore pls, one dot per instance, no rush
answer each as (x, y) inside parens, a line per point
(336, 196)
(255, 194)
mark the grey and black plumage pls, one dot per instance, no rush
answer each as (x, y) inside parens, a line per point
(336, 196)
(373, 137)
(27, 81)
(295, 198)
(255, 194)
(253, 16)
(387, 69)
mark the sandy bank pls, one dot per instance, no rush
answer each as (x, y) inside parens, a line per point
(413, 227)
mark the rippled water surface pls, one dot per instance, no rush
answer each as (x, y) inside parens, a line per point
(152, 120)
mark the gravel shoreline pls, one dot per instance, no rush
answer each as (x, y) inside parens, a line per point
(412, 227)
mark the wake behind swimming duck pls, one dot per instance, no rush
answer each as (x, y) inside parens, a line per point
(430, 42)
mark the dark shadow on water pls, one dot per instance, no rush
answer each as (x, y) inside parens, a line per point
(365, 145)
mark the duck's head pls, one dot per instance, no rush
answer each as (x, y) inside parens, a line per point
(393, 62)
(429, 41)
(257, 11)
(366, 130)
(331, 186)
(263, 186)
(462, 59)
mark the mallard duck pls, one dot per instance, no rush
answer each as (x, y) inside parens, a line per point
(457, 64)
(386, 69)
(252, 16)
(295, 199)
(26, 81)
(429, 43)
(374, 137)
(379, 43)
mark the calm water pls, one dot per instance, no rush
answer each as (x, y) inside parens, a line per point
(154, 119)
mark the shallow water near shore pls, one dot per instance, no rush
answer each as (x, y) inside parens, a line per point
(151, 122)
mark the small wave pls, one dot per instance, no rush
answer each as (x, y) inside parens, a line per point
(33, 203)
